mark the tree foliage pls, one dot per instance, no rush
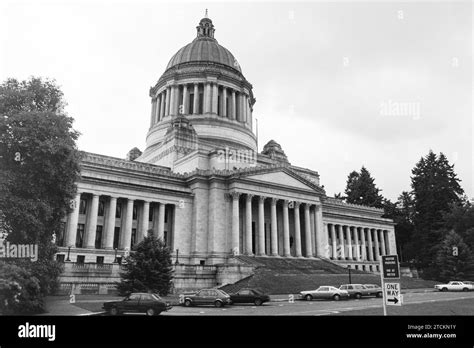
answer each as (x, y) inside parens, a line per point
(147, 268)
(451, 266)
(361, 189)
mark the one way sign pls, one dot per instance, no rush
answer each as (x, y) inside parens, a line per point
(392, 294)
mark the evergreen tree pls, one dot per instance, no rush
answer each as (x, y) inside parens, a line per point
(147, 269)
(361, 189)
(435, 187)
(454, 264)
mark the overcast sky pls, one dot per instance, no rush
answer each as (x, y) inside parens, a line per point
(339, 85)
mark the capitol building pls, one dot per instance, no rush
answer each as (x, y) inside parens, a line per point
(202, 185)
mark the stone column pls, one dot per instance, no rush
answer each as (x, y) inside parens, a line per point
(356, 242)
(161, 221)
(235, 223)
(286, 230)
(172, 101)
(92, 222)
(144, 221)
(261, 225)
(322, 241)
(207, 97)
(215, 94)
(382, 242)
(168, 97)
(196, 99)
(224, 101)
(370, 245)
(274, 228)
(110, 226)
(377, 245)
(340, 232)
(162, 105)
(333, 241)
(307, 235)
(363, 244)
(349, 243)
(72, 220)
(248, 225)
(232, 111)
(185, 100)
(152, 116)
(297, 230)
(127, 231)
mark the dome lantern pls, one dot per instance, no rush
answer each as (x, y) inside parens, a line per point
(205, 29)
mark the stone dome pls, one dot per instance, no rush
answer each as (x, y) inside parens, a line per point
(204, 48)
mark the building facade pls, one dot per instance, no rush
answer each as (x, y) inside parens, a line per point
(201, 185)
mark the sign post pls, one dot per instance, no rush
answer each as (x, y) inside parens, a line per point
(390, 271)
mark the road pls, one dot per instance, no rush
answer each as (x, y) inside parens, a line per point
(430, 303)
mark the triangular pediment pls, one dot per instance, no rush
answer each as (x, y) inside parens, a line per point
(281, 177)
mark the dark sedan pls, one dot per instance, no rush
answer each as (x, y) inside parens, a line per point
(254, 296)
(215, 297)
(137, 302)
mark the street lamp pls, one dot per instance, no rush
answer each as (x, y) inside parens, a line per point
(68, 252)
(349, 269)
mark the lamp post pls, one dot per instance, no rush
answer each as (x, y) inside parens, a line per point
(115, 259)
(349, 269)
(68, 253)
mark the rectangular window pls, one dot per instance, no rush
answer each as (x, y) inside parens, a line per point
(98, 237)
(165, 237)
(191, 104)
(79, 235)
(134, 237)
(101, 208)
(80, 259)
(83, 207)
(61, 234)
(60, 257)
(166, 214)
(116, 237)
(150, 214)
(227, 107)
(100, 260)
(201, 103)
(118, 210)
(135, 213)
(219, 105)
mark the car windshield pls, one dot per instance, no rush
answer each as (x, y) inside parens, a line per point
(221, 293)
(156, 297)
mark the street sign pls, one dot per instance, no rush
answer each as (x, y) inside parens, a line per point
(390, 267)
(392, 294)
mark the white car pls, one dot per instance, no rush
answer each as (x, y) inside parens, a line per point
(455, 286)
(324, 292)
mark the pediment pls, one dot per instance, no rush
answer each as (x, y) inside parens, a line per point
(282, 179)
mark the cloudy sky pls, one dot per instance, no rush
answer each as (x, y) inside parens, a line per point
(339, 85)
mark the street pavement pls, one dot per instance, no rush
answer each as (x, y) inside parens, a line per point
(423, 301)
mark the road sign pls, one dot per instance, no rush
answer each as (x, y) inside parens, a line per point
(392, 294)
(390, 267)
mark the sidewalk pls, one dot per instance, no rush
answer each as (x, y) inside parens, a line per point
(62, 306)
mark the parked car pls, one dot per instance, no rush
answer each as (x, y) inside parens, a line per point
(455, 286)
(357, 290)
(246, 295)
(375, 290)
(325, 292)
(214, 297)
(150, 304)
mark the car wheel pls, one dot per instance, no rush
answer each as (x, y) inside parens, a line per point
(379, 294)
(308, 297)
(357, 296)
(218, 304)
(114, 311)
(258, 302)
(336, 297)
(444, 289)
(150, 312)
(465, 289)
(188, 303)
(231, 302)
